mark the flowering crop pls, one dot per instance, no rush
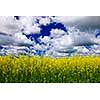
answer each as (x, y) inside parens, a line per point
(35, 69)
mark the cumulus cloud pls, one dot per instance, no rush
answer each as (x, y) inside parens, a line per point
(41, 47)
(6, 40)
(56, 33)
(35, 28)
(45, 39)
(9, 25)
(16, 39)
(32, 29)
(29, 24)
(67, 19)
(19, 37)
(14, 50)
(84, 23)
(58, 44)
(73, 43)
(11, 35)
(82, 50)
(44, 21)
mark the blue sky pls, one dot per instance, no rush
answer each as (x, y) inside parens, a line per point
(55, 36)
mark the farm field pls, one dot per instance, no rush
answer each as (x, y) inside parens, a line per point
(25, 69)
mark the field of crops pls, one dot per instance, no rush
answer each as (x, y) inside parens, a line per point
(34, 69)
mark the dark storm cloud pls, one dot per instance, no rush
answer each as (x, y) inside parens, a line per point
(6, 40)
(86, 23)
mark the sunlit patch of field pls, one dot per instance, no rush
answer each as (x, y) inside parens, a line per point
(25, 69)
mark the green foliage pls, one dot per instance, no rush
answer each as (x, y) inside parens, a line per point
(25, 69)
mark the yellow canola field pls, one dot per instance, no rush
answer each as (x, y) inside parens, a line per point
(25, 69)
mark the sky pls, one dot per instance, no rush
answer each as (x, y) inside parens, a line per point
(54, 36)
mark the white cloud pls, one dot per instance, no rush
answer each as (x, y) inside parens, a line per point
(41, 47)
(84, 23)
(35, 28)
(32, 29)
(9, 25)
(53, 53)
(14, 50)
(82, 49)
(45, 39)
(26, 20)
(38, 47)
(22, 39)
(67, 19)
(73, 43)
(11, 51)
(29, 24)
(59, 43)
(57, 33)
(44, 21)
